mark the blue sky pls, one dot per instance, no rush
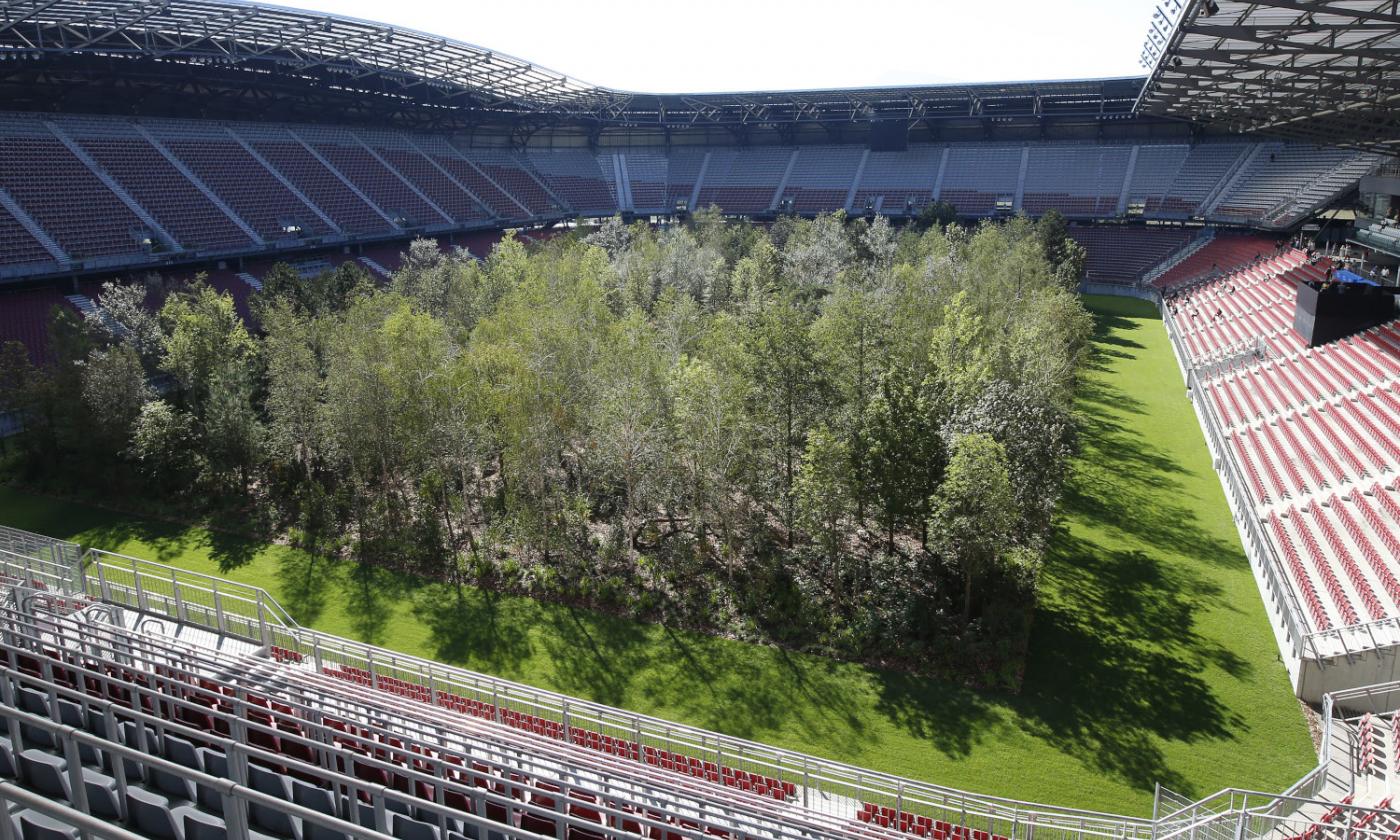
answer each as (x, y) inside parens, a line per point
(729, 45)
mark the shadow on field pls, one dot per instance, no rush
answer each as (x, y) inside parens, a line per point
(749, 690)
(1115, 659)
(370, 593)
(303, 579)
(231, 551)
(743, 690)
(1115, 664)
(165, 542)
(950, 718)
(476, 628)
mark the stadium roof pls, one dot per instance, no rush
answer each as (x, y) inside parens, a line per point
(228, 57)
(1321, 70)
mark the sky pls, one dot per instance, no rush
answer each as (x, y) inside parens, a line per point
(700, 46)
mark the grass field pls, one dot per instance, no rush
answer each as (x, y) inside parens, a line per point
(1151, 657)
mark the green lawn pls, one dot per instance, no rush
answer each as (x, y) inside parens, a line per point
(1151, 659)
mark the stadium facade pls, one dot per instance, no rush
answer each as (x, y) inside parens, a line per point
(222, 135)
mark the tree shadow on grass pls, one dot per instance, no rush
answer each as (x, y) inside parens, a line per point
(166, 542)
(593, 655)
(303, 579)
(476, 628)
(952, 719)
(1116, 662)
(231, 551)
(370, 595)
(755, 691)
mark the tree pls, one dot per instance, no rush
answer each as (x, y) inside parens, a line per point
(816, 253)
(712, 445)
(789, 384)
(904, 450)
(628, 420)
(1066, 256)
(115, 389)
(1038, 438)
(878, 245)
(330, 291)
(824, 497)
(851, 337)
(164, 444)
(292, 349)
(936, 214)
(121, 317)
(234, 436)
(755, 275)
(972, 515)
(203, 332)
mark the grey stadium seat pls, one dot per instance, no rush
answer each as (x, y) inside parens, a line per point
(36, 826)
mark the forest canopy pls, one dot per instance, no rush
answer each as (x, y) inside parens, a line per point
(828, 434)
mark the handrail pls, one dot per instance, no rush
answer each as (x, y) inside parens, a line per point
(439, 767)
(1293, 615)
(226, 588)
(757, 753)
(100, 579)
(38, 546)
(11, 792)
(71, 738)
(101, 572)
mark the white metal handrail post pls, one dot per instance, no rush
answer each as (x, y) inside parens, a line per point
(179, 601)
(264, 632)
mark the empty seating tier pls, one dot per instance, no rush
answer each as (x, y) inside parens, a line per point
(313, 179)
(443, 190)
(1123, 254)
(17, 246)
(195, 222)
(1311, 432)
(381, 185)
(183, 720)
(202, 185)
(574, 175)
(85, 217)
(242, 182)
(513, 175)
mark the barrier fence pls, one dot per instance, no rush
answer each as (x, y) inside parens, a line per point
(824, 786)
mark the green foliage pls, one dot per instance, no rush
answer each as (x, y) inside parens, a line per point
(937, 214)
(972, 516)
(1151, 657)
(202, 332)
(704, 423)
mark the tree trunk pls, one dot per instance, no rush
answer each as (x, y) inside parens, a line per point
(967, 599)
(787, 477)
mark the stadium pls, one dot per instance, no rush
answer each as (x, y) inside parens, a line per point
(1220, 559)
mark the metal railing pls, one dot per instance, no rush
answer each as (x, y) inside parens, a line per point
(1259, 545)
(1253, 815)
(1177, 257)
(825, 786)
(252, 614)
(38, 546)
(219, 605)
(250, 698)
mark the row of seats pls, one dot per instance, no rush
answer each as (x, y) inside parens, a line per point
(1313, 430)
(289, 181)
(169, 807)
(1222, 254)
(920, 825)
(1122, 254)
(666, 760)
(1326, 819)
